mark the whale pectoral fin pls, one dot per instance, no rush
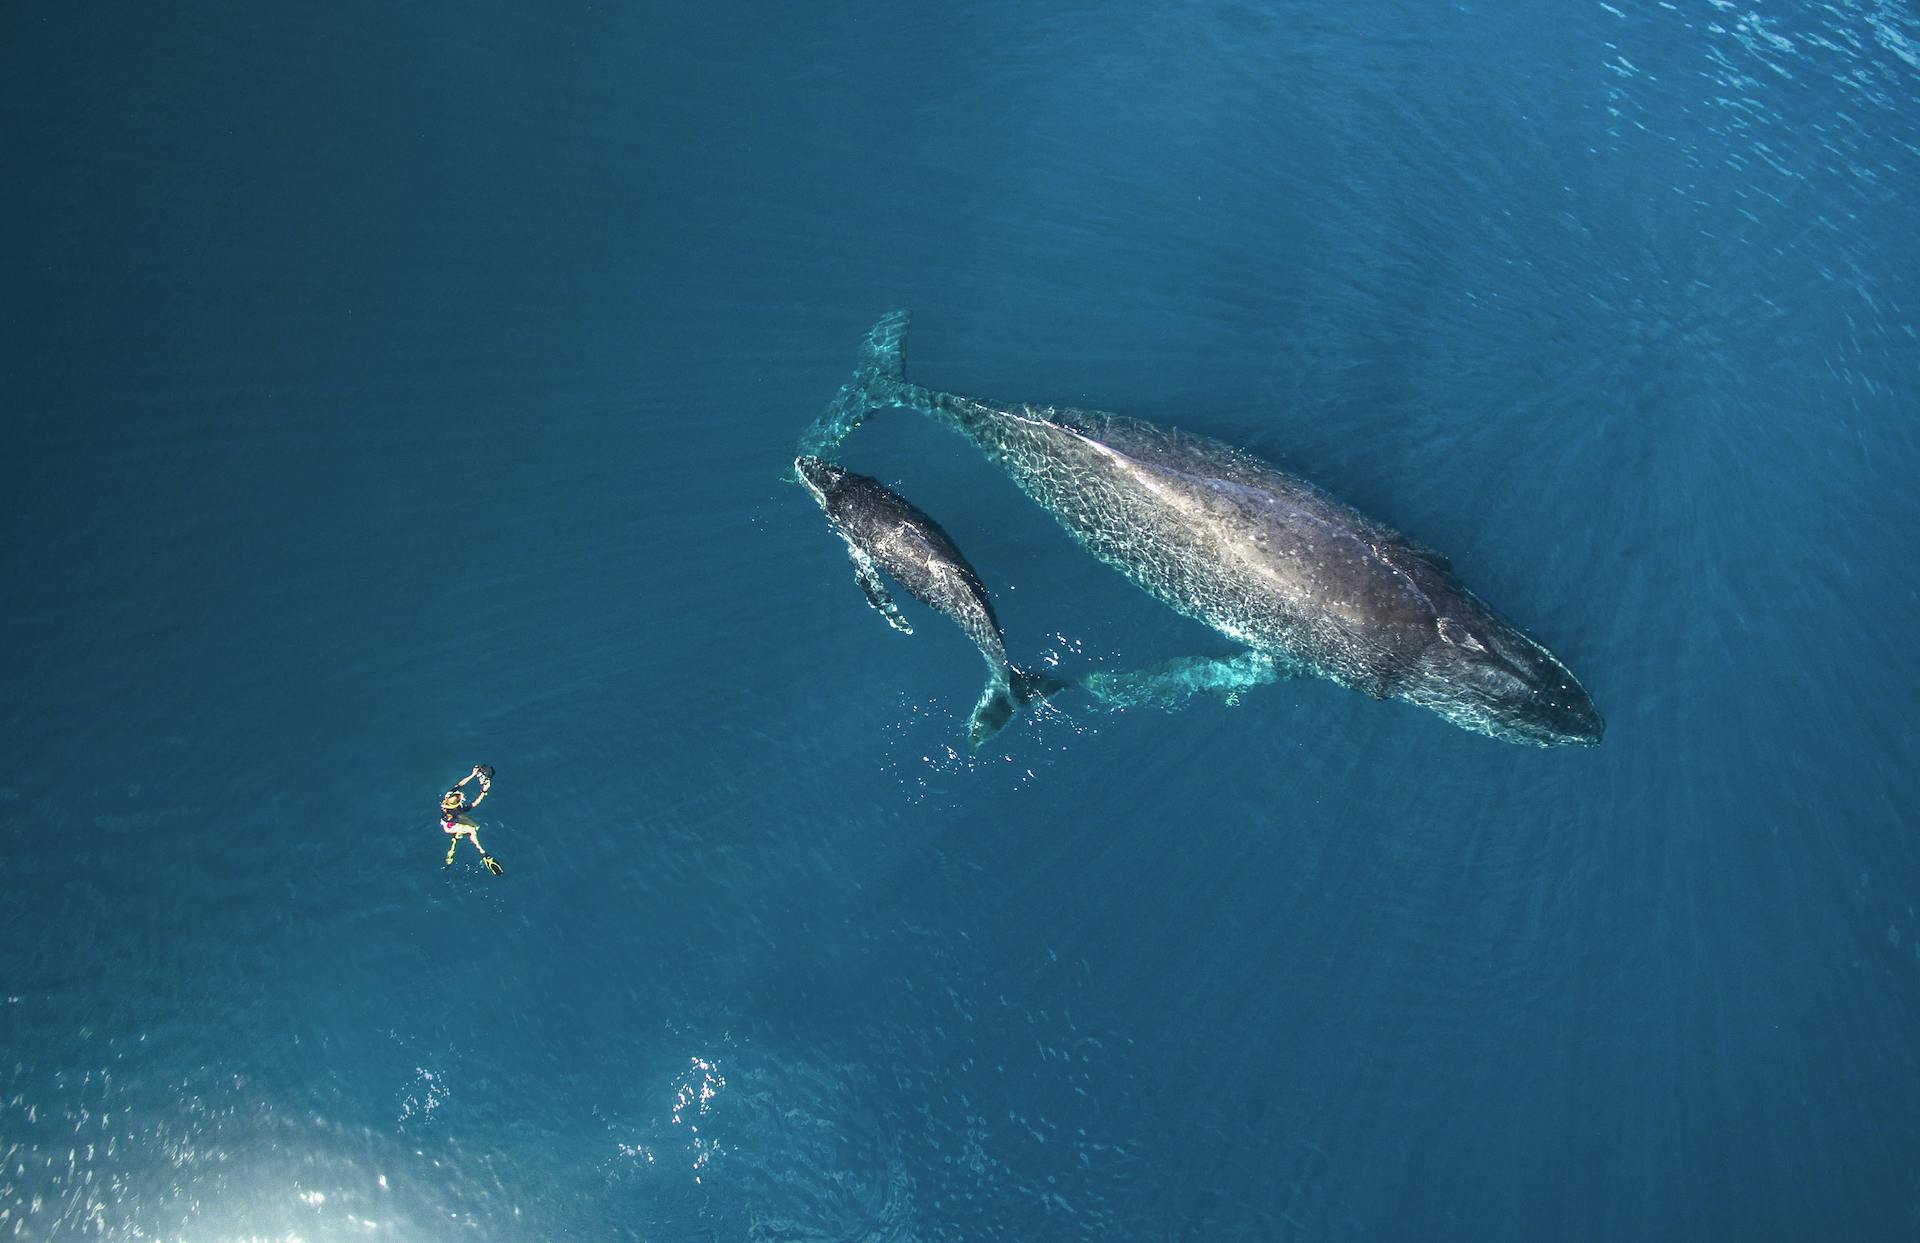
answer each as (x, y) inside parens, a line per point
(867, 574)
(1171, 683)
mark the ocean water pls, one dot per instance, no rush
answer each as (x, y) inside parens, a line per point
(394, 388)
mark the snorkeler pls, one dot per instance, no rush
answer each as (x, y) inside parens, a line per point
(453, 816)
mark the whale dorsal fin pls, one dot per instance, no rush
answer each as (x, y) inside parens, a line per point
(1438, 561)
(867, 574)
(1453, 632)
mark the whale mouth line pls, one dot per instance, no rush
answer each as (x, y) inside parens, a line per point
(1586, 730)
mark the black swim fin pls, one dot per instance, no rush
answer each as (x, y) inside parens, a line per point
(493, 864)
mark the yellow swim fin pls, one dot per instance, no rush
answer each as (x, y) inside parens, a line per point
(492, 864)
(450, 846)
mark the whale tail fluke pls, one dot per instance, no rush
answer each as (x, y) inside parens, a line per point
(879, 379)
(1004, 697)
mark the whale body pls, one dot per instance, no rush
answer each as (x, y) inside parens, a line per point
(885, 531)
(1265, 558)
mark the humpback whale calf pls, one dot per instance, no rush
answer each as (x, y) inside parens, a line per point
(1303, 581)
(885, 531)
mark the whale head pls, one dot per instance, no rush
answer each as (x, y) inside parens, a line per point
(1486, 676)
(822, 479)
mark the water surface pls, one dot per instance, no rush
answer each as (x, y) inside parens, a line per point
(394, 390)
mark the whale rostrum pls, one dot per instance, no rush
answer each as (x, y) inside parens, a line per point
(1304, 582)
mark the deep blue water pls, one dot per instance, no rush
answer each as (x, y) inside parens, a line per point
(391, 388)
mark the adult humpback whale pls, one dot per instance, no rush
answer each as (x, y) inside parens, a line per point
(885, 531)
(1264, 558)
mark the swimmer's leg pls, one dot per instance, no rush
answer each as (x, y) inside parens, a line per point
(493, 865)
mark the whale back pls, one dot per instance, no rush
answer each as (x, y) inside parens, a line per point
(1220, 536)
(917, 553)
